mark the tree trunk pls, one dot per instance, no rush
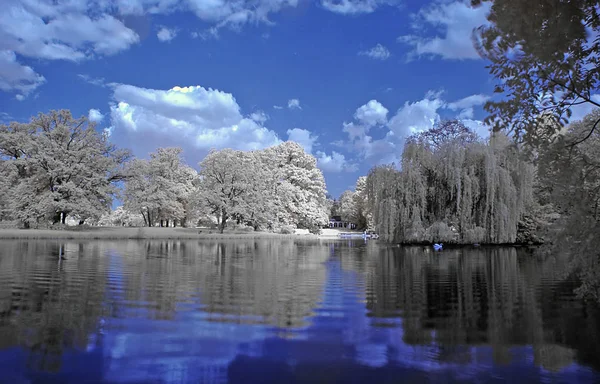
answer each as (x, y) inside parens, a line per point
(81, 222)
(223, 221)
(161, 223)
(64, 217)
(167, 223)
(174, 223)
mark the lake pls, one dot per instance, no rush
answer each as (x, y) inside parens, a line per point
(288, 311)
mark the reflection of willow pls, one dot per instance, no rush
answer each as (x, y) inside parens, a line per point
(481, 296)
(49, 305)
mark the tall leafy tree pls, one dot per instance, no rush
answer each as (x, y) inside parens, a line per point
(57, 165)
(545, 55)
(302, 191)
(161, 188)
(224, 182)
(570, 176)
(451, 189)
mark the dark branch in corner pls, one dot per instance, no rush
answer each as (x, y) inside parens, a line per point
(587, 136)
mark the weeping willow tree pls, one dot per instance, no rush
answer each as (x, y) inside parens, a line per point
(452, 187)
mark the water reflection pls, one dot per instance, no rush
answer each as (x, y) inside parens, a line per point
(185, 311)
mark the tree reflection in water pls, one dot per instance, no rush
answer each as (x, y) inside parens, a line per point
(185, 310)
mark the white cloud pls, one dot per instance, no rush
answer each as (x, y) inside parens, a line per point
(336, 162)
(468, 102)
(95, 115)
(203, 118)
(76, 30)
(477, 126)
(15, 77)
(372, 113)
(5, 117)
(457, 20)
(303, 137)
(63, 31)
(353, 7)
(92, 80)
(294, 104)
(108, 131)
(378, 52)
(466, 113)
(411, 118)
(277, 107)
(165, 34)
(416, 117)
(259, 116)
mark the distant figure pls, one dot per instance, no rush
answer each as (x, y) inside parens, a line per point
(438, 247)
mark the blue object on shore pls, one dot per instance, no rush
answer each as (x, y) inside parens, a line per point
(438, 247)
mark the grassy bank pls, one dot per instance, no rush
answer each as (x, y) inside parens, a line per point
(126, 233)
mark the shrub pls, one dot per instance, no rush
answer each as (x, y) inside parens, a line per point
(440, 232)
(287, 230)
(474, 235)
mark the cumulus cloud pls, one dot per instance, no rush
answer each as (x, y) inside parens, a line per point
(457, 20)
(336, 162)
(353, 7)
(372, 113)
(259, 116)
(465, 105)
(378, 52)
(95, 116)
(165, 34)
(416, 117)
(17, 77)
(303, 137)
(108, 131)
(410, 118)
(77, 30)
(62, 31)
(196, 116)
(294, 104)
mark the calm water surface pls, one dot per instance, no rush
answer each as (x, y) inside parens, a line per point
(265, 311)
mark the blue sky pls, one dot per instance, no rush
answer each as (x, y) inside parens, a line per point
(349, 80)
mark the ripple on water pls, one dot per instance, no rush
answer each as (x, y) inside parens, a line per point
(188, 311)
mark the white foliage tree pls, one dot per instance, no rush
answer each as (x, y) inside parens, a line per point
(161, 188)
(56, 166)
(224, 183)
(302, 187)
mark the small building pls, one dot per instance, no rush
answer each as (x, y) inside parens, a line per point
(337, 222)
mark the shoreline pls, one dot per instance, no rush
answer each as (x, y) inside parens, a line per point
(158, 233)
(137, 233)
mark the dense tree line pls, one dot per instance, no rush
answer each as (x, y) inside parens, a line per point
(57, 167)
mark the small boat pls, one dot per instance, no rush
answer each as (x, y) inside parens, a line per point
(438, 247)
